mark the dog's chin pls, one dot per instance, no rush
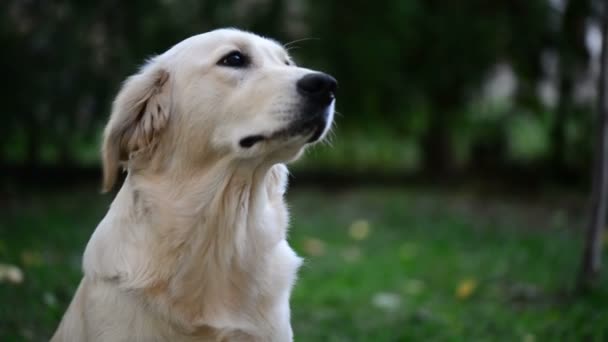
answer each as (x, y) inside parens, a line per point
(308, 131)
(304, 131)
(317, 132)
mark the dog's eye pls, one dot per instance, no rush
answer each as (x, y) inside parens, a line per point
(234, 59)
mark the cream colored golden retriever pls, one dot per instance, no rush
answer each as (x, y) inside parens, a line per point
(193, 247)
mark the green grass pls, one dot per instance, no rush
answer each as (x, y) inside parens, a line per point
(381, 265)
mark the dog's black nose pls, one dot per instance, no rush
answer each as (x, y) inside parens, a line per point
(318, 87)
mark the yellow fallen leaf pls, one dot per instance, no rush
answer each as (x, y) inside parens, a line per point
(314, 246)
(529, 338)
(466, 288)
(359, 230)
(10, 274)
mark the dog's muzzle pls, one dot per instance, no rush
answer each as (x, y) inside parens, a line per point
(318, 92)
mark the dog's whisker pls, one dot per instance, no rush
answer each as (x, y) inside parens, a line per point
(331, 137)
(291, 48)
(286, 45)
(328, 141)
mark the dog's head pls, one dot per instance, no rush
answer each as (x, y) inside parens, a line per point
(223, 94)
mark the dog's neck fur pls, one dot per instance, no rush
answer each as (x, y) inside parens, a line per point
(205, 236)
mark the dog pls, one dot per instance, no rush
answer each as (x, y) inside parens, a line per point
(193, 247)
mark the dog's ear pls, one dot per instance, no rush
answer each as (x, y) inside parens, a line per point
(139, 113)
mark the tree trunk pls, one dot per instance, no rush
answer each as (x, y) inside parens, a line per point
(592, 253)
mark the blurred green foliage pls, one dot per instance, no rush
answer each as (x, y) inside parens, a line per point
(411, 74)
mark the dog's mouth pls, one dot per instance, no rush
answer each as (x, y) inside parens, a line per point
(313, 126)
(251, 140)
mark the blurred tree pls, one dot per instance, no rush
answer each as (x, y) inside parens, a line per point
(591, 262)
(529, 34)
(65, 58)
(61, 67)
(398, 54)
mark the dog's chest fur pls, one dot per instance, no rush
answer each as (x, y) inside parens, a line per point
(226, 276)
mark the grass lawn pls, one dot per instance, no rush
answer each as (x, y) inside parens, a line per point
(381, 265)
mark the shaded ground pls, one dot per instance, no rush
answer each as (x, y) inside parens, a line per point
(382, 265)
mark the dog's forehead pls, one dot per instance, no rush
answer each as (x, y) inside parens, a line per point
(206, 42)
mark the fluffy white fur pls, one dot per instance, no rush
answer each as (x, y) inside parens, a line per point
(193, 248)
